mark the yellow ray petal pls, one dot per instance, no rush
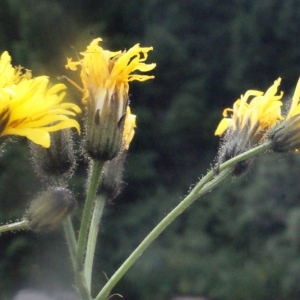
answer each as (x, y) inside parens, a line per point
(38, 136)
(223, 125)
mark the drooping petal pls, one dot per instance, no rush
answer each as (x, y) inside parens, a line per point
(36, 135)
(223, 126)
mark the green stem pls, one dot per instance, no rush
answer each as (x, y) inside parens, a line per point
(14, 226)
(207, 184)
(259, 149)
(79, 277)
(92, 238)
(208, 187)
(88, 208)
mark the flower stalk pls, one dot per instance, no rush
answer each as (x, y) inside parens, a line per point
(15, 226)
(79, 276)
(205, 185)
(97, 167)
(92, 239)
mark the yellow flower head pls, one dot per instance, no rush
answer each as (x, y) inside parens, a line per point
(29, 107)
(106, 76)
(263, 111)
(104, 71)
(249, 124)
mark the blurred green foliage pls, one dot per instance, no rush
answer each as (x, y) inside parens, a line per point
(240, 242)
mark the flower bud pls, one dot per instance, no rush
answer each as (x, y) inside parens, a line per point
(58, 159)
(111, 180)
(49, 208)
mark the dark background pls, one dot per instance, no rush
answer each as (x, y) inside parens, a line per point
(240, 242)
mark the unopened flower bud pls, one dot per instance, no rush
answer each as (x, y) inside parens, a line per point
(49, 208)
(58, 159)
(111, 180)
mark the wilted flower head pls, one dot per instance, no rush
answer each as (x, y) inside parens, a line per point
(106, 76)
(286, 135)
(29, 107)
(249, 121)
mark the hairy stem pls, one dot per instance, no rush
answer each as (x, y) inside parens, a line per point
(79, 277)
(14, 226)
(205, 185)
(92, 238)
(88, 209)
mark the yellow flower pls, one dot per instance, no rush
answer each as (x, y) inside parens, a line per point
(262, 111)
(249, 123)
(128, 132)
(103, 71)
(106, 76)
(29, 107)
